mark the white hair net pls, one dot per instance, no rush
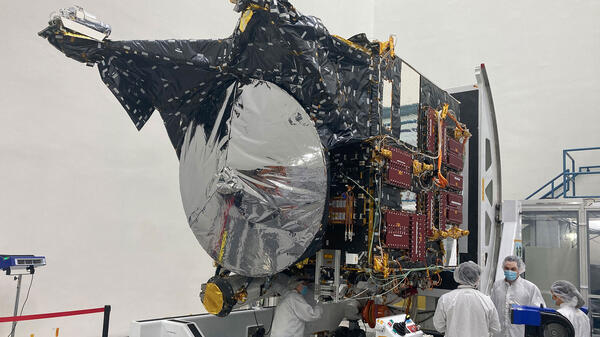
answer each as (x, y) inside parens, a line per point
(568, 293)
(293, 282)
(467, 273)
(279, 284)
(518, 260)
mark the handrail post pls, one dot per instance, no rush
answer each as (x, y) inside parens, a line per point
(573, 176)
(564, 171)
(105, 321)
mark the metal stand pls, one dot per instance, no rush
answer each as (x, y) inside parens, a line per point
(330, 259)
(105, 321)
(16, 311)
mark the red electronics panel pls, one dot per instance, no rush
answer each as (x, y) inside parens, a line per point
(454, 200)
(454, 207)
(395, 217)
(454, 161)
(397, 230)
(442, 210)
(453, 152)
(399, 175)
(418, 243)
(455, 181)
(454, 216)
(454, 146)
(400, 157)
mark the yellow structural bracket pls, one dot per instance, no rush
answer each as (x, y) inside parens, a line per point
(461, 133)
(419, 167)
(241, 296)
(387, 45)
(246, 16)
(438, 234)
(455, 232)
(444, 111)
(302, 263)
(380, 264)
(380, 154)
(386, 153)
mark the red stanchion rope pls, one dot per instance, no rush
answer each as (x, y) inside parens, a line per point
(50, 315)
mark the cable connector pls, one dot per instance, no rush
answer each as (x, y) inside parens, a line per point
(419, 167)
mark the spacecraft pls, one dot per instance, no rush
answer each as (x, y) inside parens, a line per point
(301, 153)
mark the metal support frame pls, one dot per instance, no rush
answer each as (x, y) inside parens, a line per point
(332, 289)
(511, 243)
(582, 206)
(16, 311)
(553, 188)
(105, 321)
(318, 266)
(590, 205)
(574, 173)
(237, 324)
(588, 168)
(489, 175)
(584, 253)
(567, 176)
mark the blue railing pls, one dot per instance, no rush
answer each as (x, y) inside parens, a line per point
(565, 181)
(589, 168)
(554, 184)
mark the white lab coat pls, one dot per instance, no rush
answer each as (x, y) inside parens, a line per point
(466, 312)
(504, 295)
(580, 321)
(291, 314)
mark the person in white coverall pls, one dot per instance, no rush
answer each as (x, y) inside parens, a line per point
(570, 300)
(466, 312)
(513, 289)
(292, 312)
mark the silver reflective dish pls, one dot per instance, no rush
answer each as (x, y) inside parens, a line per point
(253, 180)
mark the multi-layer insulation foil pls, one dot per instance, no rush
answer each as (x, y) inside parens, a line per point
(249, 117)
(269, 121)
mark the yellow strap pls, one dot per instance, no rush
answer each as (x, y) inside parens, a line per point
(79, 36)
(223, 240)
(387, 45)
(245, 19)
(352, 44)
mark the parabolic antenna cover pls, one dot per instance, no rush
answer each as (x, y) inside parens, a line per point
(253, 179)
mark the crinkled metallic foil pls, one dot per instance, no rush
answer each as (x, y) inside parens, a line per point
(253, 180)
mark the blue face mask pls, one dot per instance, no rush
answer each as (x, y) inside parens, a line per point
(304, 291)
(510, 275)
